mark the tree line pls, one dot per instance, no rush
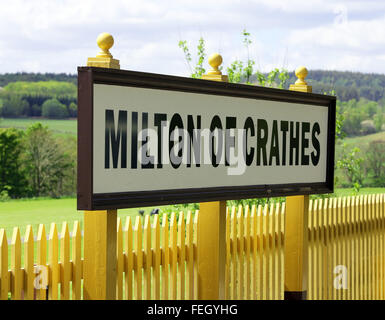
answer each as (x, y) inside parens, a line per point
(49, 99)
(35, 77)
(36, 163)
(346, 85)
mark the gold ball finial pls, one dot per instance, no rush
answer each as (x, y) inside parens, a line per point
(301, 73)
(105, 41)
(215, 60)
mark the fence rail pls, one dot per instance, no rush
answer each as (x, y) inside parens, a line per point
(156, 259)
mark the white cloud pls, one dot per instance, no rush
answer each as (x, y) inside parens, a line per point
(357, 45)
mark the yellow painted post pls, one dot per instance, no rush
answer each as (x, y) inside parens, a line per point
(211, 237)
(211, 247)
(296, 249)
(99, 267)
(100, 237)
(296, 227)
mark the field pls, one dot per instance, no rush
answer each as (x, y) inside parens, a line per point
(59, 127)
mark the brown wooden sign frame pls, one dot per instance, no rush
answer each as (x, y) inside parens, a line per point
(87, 200)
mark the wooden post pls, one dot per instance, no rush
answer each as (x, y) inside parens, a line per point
(99, 268)
(296, 228)
(211, 235)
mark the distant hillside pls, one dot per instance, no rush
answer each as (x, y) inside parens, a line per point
(34, 77)
(347, 85)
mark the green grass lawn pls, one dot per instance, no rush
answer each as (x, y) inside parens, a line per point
(23, 212)
(60, 127)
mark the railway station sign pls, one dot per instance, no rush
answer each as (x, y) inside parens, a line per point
(148, 139)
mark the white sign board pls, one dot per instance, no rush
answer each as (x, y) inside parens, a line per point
(164, 139)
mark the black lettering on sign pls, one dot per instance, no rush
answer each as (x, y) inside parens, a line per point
(274, 146)
(194, 142)
(262, 141)
(231, 123)
(249, 126)
(117, 139)
(284, 129)
(176, 122)
(294, 142)
(134, 140)
(315, 157)
(305, 144)
(216, 124)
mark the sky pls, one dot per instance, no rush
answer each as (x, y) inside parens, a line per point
(59, 35)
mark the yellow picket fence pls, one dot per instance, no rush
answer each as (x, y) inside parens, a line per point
(156, 258)
(346, 248)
